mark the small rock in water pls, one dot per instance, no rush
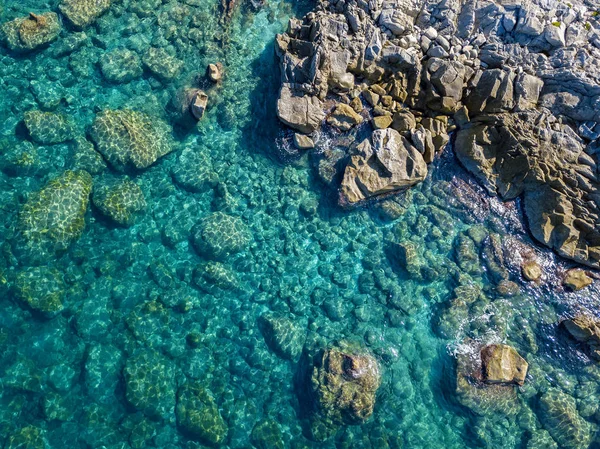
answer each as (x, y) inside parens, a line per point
(577, 279)
(215, 72)
(532, 271)
(303, 142)
(198, 104)
(503, 364)
(585, 329)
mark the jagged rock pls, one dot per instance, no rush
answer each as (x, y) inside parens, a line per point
(121, 65)
(220, 235)
(344, 117)
(446, 83)
(300, 112)
(122, 200)
(343, 384)
(49, 127)
(53, 218)
(577, 279)
(130, 139)
(385, 163)
(83, 13)
(585, 329)
(303, 142)
(532, 271)
(198, 414)
(558, 414)
(29, 33)
(282, 335)
(503, 365)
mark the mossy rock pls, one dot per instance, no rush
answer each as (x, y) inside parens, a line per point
(282, 335)
(42, 289)
(29, 33)
(122, 201)
(162, 64)
(194, 170)
(121, 66)
(53, 218)
(199, 416)
(22, 159)
(129, 138)
(49, 127)
(29, 437)
(150, 383)
(558, 414)
(266, 434)
(85, 157)
(220, 235)
(83, 13)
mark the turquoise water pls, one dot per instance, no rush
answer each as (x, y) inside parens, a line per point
(142, 306)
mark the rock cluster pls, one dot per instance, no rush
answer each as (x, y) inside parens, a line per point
(130, 139)
(527, 121)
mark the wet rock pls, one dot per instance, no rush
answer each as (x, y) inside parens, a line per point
(532, 271)
(130, 139)
(577, 279)
(194, 170)
(150, 383)
(121, 66)
(300, 112)
(343, 386)
(42, 289)
(303, 142)
(198, 104)
(585, 329)
(558, 414)
(120, 200)
(344, 117)
(53, 218)
(215, 72)
(198, 415)
(220, 235)
(29, 33)
(282, 335)
(29, 437)
(385, 163)
(502, 364)
(266, 434)
(49, 127)
(162, 64)
(85, 157)
(83, 13)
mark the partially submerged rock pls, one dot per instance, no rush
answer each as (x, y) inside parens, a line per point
(29, 33)
(300, 112)
(585, 329)
(532, 271)
(130, 139)
(215, 72)
(83, 13)
(502, 364)
(198, 104)
(577, 279)
(383, 164)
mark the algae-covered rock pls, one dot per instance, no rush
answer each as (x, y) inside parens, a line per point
(558, 414)
(215, 275)
(343, 386)
(85, 157)
(42, 289)
(54, 217)
(128, 138)
(122, 200)
(220, 235)
(162, 64)
(266, 434)
(194, 170)
(82, 13)
(282, 335)
(29, 437)
(121, 65)
(28, 33)
(49, 127)
(150, 383)
(198, 414)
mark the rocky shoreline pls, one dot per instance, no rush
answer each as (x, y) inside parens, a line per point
(390, 83)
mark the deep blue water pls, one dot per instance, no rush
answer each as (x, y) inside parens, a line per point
(136, 301)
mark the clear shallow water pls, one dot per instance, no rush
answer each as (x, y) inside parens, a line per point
(131, 298)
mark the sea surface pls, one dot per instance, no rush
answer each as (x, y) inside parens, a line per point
(139, 309)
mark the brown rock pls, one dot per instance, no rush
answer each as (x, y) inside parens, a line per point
(585, 329)
(215, 72)
(502, 364)
(303, 113)
(382, 121)
(577, 279)
(198, 104)
(532, 271)
(344, 117)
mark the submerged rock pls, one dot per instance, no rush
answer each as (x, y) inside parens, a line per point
(49, 127)
(220, 235)
(343, 385)
(130, 139)
(383, 164)
(29, 437)
(121, 65)
(194, 169)
(558, 414)
(83, 13)
(42, 289)
(198, 414)
(282, 335)
(53, 218)
(266, 434)
(122, 201)
(162, 64)
(29, 33)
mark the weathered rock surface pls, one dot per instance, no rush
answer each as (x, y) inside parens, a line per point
(558, 414)
(83, 13)
(577, 279)
(303, 113)
(502, 364)
(387, 162)
(29, 33)
(120, 200)
(585, 329)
